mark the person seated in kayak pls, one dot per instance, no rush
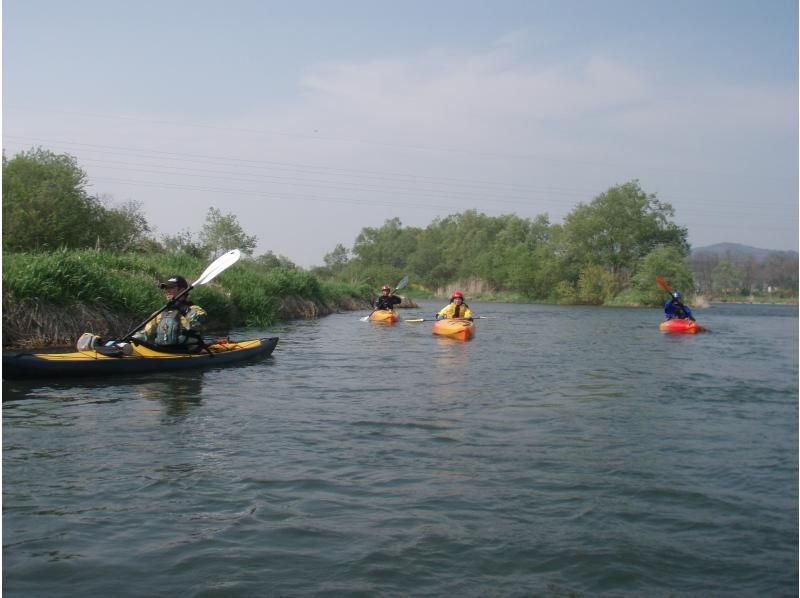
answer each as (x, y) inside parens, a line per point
(456, 309)
(387, 300)
(674, 309)
(180, 324)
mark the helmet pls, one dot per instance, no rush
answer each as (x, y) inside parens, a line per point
(174, 281)
(458, 294)
(386, 287)
(676, 295)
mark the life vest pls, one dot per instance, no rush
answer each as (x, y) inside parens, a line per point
(170, 330)
(455, 311)
(460, 310)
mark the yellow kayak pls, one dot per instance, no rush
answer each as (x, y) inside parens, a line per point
(142, 359)
(457, 328)
(387, 316)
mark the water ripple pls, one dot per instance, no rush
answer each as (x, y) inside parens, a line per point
(563, 452)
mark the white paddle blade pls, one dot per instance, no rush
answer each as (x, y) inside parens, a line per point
(222, 263)
(364, 319)
(402, 284)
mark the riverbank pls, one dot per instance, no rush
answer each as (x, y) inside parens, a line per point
(36, 325)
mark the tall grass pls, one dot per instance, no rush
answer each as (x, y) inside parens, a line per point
(245, 293)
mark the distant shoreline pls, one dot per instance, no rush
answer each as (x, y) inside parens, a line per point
(786, 302)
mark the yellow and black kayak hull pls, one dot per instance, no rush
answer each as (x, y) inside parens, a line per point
(144, 359)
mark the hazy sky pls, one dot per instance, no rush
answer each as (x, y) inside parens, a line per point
(310, 120)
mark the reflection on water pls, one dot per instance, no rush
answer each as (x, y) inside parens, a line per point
(562, 451)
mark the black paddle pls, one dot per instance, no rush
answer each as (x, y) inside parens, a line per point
(400, 285)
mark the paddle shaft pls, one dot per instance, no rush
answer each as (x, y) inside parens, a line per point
(436, 320)
(138, 327)
(663, 284)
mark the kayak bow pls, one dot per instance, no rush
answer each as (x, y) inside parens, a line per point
(681, 326)
(388, 316)
(144, 359)
(460, 329)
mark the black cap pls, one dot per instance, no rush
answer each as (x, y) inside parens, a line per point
(174, 280)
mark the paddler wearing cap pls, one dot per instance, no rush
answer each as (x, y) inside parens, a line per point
(180, 325)
(456, 309)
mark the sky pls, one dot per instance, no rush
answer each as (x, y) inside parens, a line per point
(311, 120)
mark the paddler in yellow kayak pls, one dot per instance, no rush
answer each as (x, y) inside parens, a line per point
(181, 324)
(456, 309)
(387, 300)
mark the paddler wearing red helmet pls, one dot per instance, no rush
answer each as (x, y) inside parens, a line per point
(386, 299)
(456, 309)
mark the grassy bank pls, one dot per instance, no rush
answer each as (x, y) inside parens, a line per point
(51, 298)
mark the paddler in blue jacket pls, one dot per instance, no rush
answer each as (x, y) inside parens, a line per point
(674, 309)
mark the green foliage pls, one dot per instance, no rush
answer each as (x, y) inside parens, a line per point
(596, 286)
(46, 206)
(269, 260)
(184, 242)
(565, 292)
(125, 228)
(45, 203)
(670, 264)
(245, 293)
(256, 292)
(591, 258)
(222, 233)
(337, 292)
(69, 277)
(619, 227)
(337, 260)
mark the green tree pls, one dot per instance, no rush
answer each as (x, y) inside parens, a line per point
(388, 245)
(618, 228)
(671, 265)
(45, 203)
(185, 242)
(270, 261)
(222, 233)
(125, 228)
(596, 285)
(337, 259)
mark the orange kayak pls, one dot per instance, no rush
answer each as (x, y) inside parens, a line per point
(682, 326)
(387, 316)
(455, 328)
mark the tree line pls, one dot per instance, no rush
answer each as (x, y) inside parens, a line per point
(731, 274)
(607, 251)
(46, 207)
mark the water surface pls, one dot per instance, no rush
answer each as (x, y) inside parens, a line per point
(564, 451)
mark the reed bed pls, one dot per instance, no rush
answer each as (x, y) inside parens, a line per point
(51, 298)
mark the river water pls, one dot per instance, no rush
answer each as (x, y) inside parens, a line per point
(564, 451)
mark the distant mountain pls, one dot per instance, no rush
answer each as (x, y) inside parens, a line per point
(738, 251)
